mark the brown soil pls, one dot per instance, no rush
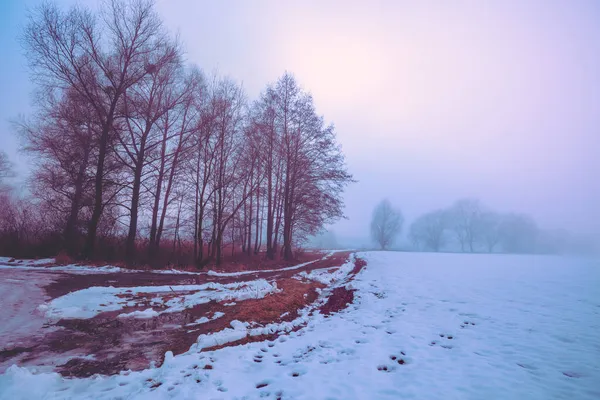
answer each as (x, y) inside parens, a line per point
(342, 296)
(339, 299)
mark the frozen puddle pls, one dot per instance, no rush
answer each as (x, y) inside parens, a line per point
(423, 326)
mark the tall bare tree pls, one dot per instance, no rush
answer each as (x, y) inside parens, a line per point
(62, 140)
(465, 218)
(143, 105)
(386, 224)
(178, 125)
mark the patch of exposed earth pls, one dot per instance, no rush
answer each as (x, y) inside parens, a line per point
(108, 344)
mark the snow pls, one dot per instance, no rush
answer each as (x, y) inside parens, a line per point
(79, 269)
(423, 326)
(203, 320)
(147, 313)
(324, 276)
(71, 268)
(87, 303)
(236, 332)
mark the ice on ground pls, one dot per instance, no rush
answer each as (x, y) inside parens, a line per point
(147, 313)
(204, 320)
(75, 269)
(49, 264)
(423, 326)
(87, 303)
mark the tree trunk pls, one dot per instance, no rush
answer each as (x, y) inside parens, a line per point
(135, 200)
(256, 248)
(250, 214)
(98, 186)
(153, 246)
(70, 240)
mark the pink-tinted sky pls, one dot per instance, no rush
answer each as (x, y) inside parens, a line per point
(432, 100)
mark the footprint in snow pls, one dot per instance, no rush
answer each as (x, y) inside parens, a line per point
(572, 374)
(298, 370)
(385, 368)
(262, 384)
(444, 344)
(400, 360)
(527, 366)
(466, 324)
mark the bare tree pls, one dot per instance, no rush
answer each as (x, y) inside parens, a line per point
(264, 119)
(143, 105)
(62, 140)
(178, 125)
(314, 173)
(490, 229)
(465, 221)
(428, 231)
(386, 224)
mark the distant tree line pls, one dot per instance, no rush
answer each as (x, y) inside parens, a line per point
(469, 226)
(137, 154)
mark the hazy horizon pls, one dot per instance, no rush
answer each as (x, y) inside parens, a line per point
(432, 101)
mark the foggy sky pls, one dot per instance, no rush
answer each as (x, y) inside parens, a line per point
(432, 101)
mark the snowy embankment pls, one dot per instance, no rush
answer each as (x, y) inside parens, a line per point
(48, 265)
(87, 303)
(427, 326)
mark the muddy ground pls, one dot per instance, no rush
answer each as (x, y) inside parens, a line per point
(107, 345)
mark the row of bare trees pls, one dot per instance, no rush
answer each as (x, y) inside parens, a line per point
(469, 226)
(130, 142)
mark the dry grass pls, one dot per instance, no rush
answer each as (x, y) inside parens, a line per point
(63, 258)
(295, 295)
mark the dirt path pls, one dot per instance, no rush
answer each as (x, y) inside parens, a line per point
(106, 344)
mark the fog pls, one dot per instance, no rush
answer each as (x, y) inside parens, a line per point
(432, 101)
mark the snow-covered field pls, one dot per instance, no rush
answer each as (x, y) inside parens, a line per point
(423, 326)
